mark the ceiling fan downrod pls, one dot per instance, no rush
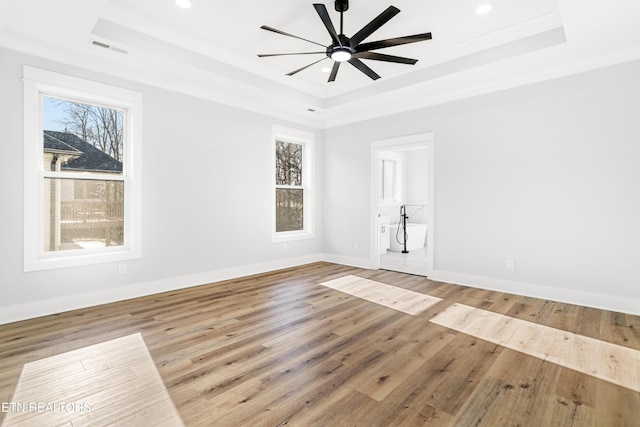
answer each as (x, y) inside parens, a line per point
(341, 6)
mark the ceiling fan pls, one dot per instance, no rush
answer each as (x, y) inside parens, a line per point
(351, 50)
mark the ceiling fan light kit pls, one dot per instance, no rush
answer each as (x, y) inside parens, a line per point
(341, 54)
(484, 8)
(351, 50)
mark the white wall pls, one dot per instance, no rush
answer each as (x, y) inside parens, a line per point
(546, 175)
(417, 184)
(206, 205)
(416, 176)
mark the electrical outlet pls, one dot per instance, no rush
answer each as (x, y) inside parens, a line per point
(284, 247)
(511, 265)
(122, 269)
(355, 246)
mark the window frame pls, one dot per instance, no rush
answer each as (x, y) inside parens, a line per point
(37, 84)
(307, 140)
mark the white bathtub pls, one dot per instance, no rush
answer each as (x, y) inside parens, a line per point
(416, 237)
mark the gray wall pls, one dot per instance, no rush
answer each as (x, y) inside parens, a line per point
(546, 175)
(206, 200)
(417, 184)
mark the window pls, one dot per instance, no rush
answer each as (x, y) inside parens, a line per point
(292, 190)
(82, 195)
(390, 173)
(387, 180)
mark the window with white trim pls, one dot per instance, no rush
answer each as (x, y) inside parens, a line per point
(82, 163)
(292, 154)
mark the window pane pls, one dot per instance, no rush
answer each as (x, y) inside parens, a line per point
(288, 163)
(289, 208)
(81, 137)
(389, 175)
(82, 214)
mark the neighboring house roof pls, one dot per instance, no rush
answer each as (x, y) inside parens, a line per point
(54, 145)
(91, 158)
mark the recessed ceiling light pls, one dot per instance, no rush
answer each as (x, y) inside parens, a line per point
(325, 69)
(185, 4)
(483, 8)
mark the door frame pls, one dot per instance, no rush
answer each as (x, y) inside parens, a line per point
(402, 143)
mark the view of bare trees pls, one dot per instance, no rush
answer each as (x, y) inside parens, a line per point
(96, 125)
(288, 163)
(289, 192)
(84, 213)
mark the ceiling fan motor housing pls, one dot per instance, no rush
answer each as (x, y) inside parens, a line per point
(344, 46)
(342, 5)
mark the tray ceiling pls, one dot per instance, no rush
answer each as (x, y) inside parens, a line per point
(211, 50)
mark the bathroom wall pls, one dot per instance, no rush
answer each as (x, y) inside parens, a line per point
(413, 175)
(387, 207)
(416, 181)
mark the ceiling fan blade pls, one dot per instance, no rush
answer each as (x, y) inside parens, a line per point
(362, 67)
(264, 27)
(326, 20)
(264, 55)
(305, 67)
(392, 42)
(382, 57)
(334, 72)
(372, 26)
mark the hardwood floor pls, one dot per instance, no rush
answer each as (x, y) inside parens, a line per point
(282, 349)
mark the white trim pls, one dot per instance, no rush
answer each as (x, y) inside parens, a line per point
(307, 140)
(350, 261)
(38, 83)
(75, 87)
(46, 307)
(402, 143)
(554, 293)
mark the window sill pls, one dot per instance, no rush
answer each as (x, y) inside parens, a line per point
(66, 260)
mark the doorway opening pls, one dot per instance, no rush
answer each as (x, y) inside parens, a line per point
(402, 220)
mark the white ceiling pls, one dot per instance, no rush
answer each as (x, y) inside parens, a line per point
(210, 50)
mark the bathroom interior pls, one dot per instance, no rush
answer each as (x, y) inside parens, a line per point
(402, 210)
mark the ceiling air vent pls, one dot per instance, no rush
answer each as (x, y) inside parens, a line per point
(107, 46)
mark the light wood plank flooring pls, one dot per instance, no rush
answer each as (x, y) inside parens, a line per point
(282, 349)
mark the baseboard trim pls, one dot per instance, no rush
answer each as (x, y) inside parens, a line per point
(349, 261)
(570, 296)
(47, 307)
(73, 302)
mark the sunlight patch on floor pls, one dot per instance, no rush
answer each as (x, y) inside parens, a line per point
(610, 362)
(400, 299)
(111, 383)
